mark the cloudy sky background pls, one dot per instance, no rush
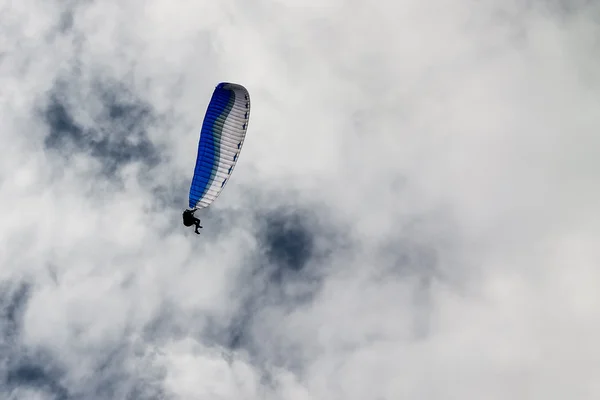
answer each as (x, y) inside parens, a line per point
(414, 214)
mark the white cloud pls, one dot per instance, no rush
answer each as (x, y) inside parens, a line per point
(449, 146)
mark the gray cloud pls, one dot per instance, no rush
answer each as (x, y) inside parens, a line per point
(412, 215)
(21, 368)
(117, 133)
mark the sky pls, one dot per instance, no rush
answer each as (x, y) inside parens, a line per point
(414, 213)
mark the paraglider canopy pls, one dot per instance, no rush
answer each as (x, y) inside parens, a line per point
(221, 140)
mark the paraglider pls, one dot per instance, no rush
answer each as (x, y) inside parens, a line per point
(189, 220)
(221, 140)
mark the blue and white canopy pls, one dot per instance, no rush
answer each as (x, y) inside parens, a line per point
(221, 139)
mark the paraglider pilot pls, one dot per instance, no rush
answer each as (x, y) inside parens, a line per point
(189, 219)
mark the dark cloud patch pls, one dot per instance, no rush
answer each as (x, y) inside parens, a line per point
(38, 373)
(105, 120)
(13, 301)
(20, 367)
(288, 242)
(111, 379)
(68, 13)
(236, 333)
(285, 273)
(294, 244)
(281, 271)
(28, 369)
(24, 369)
(62, 124)
(65, 23)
